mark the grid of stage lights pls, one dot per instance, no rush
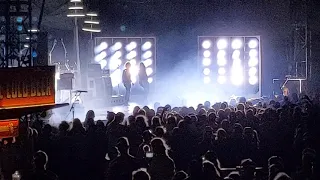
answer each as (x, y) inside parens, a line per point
(113, 53)
(230, 60)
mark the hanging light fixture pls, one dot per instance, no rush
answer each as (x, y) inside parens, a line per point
(91, 23)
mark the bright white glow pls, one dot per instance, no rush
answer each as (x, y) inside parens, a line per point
(253, 53)
(253, 80)
(57, 76)
(147, 62)
(102, 46)
(237, 72)
(116, 77)
(206, 44)
(222, 62)
(222, 44)
(75, 0)
(237, 80)
(253, 62)
(75, 7)
(134, 71)
(149, 71)
(236, 44)
(221, 71)
(116, 55)
(91, 14)
(133, 62)
(150, 79)
(76, 15)
(147, 45)
(114, 63)
(206, 53)
(100, 56)
(206, 79)
(132, 55)
(91, 30)
(147, 55)
(253, 44)
(131, 46)
(206, 61)
(26, 46)
(91, 22)
(236, 54)
(222, 79)
(103, 63)
(117, 46)
(134, 79)
(253, 71)
(206, 71)
(236, 63)
(221, 54)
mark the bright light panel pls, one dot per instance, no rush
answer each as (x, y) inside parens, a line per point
(253, 53)
(206, 53)
(222, 44)
(253, 44)
(236, 44)
(134, 71)
(206, 79)
(236, 54)
(114, 63)
(222, 62)
(150, 79)
(131, 46)
(253, 71)
(206, 61)
(149, 71)
(102, 46)
(222, 79)
(116, 77)
(253, 62)
(133, 62)
(221, 54)
(132, 54)
(206, 44)
(100, 56)
(221, 71)
(147, 45)
(117, 46)
(147, 55)
(237, 79)
(206, 71)
(147, 62)
(253, 80)
(103, 63)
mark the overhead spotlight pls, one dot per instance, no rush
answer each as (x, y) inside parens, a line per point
(149, 71)
(206, 71)
(206, 79)
(206, 54)
(101, 47)
(206, 44)
(222, 44)
(147, 45)
(221, 54)
(132, 55)
(100, 56)
(222, 62)
(147, 55)
(206, 61)
(147, 62)
(253, 44)
(116, 55)
(253, 71)
(150, 79)
(236, 54)
(253, 53)
(253, 62)
(236, 44)
(253, 80)
(222, 79)
(117, 46)
(133, 62)
(221, 71)
(103, 63)
(131, 46)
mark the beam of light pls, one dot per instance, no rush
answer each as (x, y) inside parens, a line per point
(149, 71)
(253, 44)
(100, 56)
(147, 55)
(132, 54)
(103, 63)
(134, 71)
(206, 79)
(131, 46)
(133, 62)
(147, 45)
(222, 62)
(222, 79)
(114, 63)
(236, 44)
(253, 80)
(150, 79)
(206, 71)
(206, 61)
(206, 44)
(221, 54)
(117, 46)
(253, 71)
(206, 54)
(117, 55)
(221, 71)
(237, 72)
(236, 54)
(147, 62)
(253, 62)
(253, 53)
(116, 77)
(102, 46)
(222, 44)
(133, 79)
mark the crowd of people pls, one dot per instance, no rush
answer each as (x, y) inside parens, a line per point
(275, 140)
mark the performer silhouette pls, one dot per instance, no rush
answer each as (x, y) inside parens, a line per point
(143, 79)
(126, 80)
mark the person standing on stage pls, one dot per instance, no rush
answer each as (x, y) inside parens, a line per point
(126, 80)
(143, 79)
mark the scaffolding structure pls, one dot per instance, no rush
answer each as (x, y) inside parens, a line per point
(17, 35)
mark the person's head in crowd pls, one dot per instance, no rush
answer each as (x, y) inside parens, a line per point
(156, 105)
(141, 122)
(131, 120)
(151, 113)
(208, 134)
(128, 65)
(135, 110)
(180, 175)
(234, 175)
(77, 125)
(221, 114)
(155, 122)
(249, 113)
(110, 116)
(248, 169)
(159, 147)
(159, 132)
(112, 154)
(212, 117)
(240, 115)
(237, 131)
(221, 134)
(142, 112)
(277, 105)
(146, 108)
(172, 121)
(225, 124)
(147, 136)
(207, 104)
(212, 157)
(273, 170)
(182, 125)
(100, 125)
(40, 160)
(140, 174)
(240, 107)
(275, 160)
(202, 111)
(248, 133)
(282, 176)
(233, 102)
(168, 107)
(242, 100)
(89, 123)
(210, 171)
(90, 114)
(123, 146)
(308, 159)
(119, 117)
(63, 127)
(47, 130)
(223, 105)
